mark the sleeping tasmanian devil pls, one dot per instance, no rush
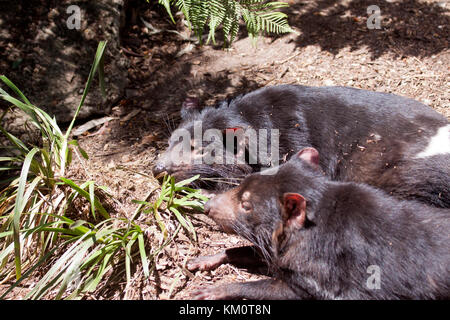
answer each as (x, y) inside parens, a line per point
(394, 143)
(332, 240)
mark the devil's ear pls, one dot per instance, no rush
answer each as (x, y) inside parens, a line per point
(294, 210)
(189, 107)
(309, 155)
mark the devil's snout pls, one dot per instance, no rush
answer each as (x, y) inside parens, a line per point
(158, 168)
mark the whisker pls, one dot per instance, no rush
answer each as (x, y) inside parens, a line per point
(222, 179)
(167, 124)
(173, 123)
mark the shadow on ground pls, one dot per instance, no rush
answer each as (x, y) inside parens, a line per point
(408, 27)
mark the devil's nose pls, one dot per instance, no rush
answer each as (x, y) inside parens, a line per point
(158, 168)
(207, 207)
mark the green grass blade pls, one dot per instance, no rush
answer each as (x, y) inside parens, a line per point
(92, 198)
(187, 181)
(144, 258)
(82, 151)
(97, 59)
(101, 76)
(19, 145)
(86, 195)
(29, 272)
(128, 259)
(184, 222)
(18, 208)
(15, 89)
(54, 275)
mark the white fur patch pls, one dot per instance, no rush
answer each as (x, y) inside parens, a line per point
(328, 294)
(439, 143)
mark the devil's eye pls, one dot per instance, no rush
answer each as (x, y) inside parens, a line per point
(246, 205)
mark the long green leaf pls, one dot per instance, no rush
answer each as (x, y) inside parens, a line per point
(144, 258)
(97, 59)
(18, 208)
(86, 195)
(15, 89)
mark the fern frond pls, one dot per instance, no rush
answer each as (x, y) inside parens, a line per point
(231, 23)
(273, 22)
(166, 4)
(260, 16)
(199, 13)
(218, 13)
(185, 7)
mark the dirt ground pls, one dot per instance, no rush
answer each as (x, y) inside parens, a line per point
(408, 56)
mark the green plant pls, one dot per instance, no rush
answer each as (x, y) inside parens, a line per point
(38, 181)
(35, 229)
(175, 196)
(259, 16)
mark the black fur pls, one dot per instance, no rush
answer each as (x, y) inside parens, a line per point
(350, 226)
(362, 136)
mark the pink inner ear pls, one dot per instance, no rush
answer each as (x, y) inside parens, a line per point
(295, 209)
(293, 202)
(293, 197)
(309, 155)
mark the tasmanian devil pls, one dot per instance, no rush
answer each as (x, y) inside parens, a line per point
(394, 143)
(333, 240)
